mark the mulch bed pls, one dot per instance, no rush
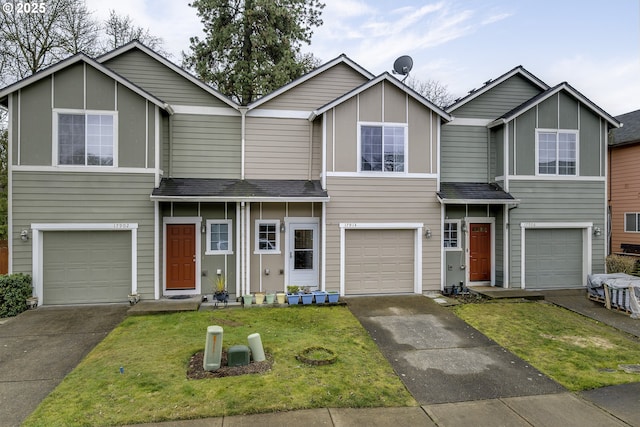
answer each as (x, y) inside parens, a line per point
(195, 371)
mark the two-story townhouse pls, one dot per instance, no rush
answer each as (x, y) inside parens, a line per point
(523, 185)
(623, 184)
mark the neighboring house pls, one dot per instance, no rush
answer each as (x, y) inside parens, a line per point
(523, 185)
(624, 183)
(129, 175)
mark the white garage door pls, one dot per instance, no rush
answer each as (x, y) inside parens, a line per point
(86, 267)
(553, 258)
(379, 261)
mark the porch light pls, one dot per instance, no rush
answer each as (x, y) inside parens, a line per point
(427, 233)
(597, 231)
(282, 228)
(24, 235)
(203, 229)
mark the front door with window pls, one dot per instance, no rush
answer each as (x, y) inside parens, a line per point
(303, 254)
(479, 252)
(181, 256)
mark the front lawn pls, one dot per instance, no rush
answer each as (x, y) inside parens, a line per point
(155, 350)
(574, 350)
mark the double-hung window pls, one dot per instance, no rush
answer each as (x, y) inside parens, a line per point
(450, 234)
(383, 147)
(219, 237)
(557, 152)
(86, 138)
(632, 222)
(267, 236)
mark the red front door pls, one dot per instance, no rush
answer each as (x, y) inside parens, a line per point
(480, 252)
(181, 256)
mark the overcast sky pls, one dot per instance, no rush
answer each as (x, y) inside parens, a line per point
(592, 44)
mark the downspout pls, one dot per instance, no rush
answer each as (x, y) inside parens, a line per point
(310, 149)
(243, 124)
(243, 261)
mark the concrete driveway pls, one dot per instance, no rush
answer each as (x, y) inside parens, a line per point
(439, 357)
(38, 348)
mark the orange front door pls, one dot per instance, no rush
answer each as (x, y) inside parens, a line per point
(480, 252)
(181, 256)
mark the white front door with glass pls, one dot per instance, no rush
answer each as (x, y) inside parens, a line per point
(303, 254)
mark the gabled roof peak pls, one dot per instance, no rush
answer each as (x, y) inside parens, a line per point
(491, 83)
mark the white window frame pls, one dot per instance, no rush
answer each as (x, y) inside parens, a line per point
(208, 249)
(637, 215)
(458, 224)
(55, 143)
(383, 125)
(276, 223)
(557, 132)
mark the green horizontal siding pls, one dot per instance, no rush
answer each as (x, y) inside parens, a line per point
(464, 153)
(499, 100)
(76, 197)
(206, 146)
(161, 81)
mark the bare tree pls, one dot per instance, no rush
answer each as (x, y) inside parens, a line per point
(433, 90)
(81, 31)
(120, 30)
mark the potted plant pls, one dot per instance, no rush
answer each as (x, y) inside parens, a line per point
(293, 297)
(220, 292)
(319, 296)
(306, 296)
(332, 297)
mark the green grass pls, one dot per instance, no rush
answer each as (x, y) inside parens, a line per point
(576, 351)
(154, 352)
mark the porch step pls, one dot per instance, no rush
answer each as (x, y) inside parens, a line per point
(501, 293)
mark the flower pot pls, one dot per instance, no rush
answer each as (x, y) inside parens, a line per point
(247, 299)
(306, 298)
(319, 296)
(259, 298)
(293, 299)
(280, 296)
(270, 298)
(333, 297)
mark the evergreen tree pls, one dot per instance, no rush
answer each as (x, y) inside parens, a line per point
(252, 47)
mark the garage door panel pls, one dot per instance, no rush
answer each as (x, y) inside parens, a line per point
(554, 258)
(379, 261)
(86, 266)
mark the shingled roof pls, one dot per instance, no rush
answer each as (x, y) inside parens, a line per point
(473, 192)
(629, 133)
(202, 189)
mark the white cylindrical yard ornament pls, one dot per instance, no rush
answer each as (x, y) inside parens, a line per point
(255, 344)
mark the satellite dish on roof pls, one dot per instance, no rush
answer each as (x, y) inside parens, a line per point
(403, 65)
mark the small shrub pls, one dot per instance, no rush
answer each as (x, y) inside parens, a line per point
(14, 290)
(621, 264)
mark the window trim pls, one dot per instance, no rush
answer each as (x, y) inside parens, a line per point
(229, 250)
(405, 127)
(55, 161)
(637, 214)
(575, 132)
(260, 222)
(458, 223)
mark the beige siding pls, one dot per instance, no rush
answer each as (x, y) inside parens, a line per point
(318, 90)
(275, 263)
(395, 104)
(316, 155)
(76, 197)
(380, 200)
(370, 104)
(624, 187)
(277, 148)
(205, 146)
(161, 81)
(345, 131)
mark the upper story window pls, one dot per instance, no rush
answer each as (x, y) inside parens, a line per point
(632, 222)
(267, 236)
(557, 152)
(450, 234)
(86, 138)
(219, 237)
(383, 147)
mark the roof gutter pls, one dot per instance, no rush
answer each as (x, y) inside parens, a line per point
(237, 199)
(478, 201)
